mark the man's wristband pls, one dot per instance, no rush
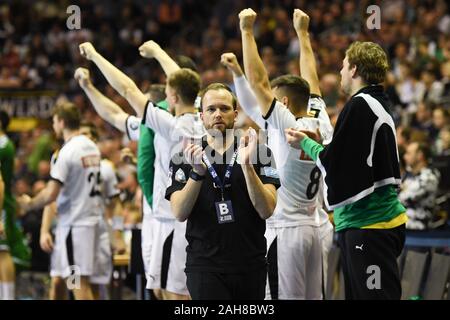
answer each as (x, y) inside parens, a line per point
(195, 176)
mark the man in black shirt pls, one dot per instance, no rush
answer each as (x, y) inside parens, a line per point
(225, 192)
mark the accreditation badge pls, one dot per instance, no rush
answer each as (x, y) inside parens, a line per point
(224, 211)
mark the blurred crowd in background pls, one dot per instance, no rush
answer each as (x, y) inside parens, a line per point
(37, 51)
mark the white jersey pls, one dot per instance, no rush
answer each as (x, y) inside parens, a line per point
(109, 182)
(318, 109)
(133, 128)
(169, 134)
(77, 167)
(298, 198)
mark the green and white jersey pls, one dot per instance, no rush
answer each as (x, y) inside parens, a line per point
(169, 134)
(136, 131)
(12, 239)
(7, 154)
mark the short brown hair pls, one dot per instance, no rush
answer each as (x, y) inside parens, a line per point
(69, 113)
(156, 92)
(219, 86)
(186, 62)
(295, 88)
(186, 83)
(370, 60)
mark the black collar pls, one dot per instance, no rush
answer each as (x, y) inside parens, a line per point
(370, 89)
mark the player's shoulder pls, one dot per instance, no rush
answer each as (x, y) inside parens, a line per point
(276, 106)
(357, 100)
(315, 99)
(107, 164)
(278, 111)
(308, 123)
(55, 156)
(188, 118)
(78, 145)
(85, 142)
(190, 125)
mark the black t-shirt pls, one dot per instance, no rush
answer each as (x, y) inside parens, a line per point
(235, 247)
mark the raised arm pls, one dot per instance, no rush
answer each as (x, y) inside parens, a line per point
(105, 107)
(253, 65)
(308, 68)
(150, 49)
(116, 78)
(244, 93)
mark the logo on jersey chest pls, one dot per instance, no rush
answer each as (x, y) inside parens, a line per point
(90, 161)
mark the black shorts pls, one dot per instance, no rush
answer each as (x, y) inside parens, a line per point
(223, 286)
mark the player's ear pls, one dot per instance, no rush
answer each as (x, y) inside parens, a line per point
(353, 71)
(285, 101)
(176, 98)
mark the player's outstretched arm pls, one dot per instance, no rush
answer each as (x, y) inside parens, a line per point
(43, 198)
(116, 78)
(308, 68)
(105, 107)
(244, 93)
(150, 49)
(45, 238)
(253, 65)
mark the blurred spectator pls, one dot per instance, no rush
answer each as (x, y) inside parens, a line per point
(419, 187)
(42, 144)
(431, 88)
(442, 143)
(441, 118)
(423, 120)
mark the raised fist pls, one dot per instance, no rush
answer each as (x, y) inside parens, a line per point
(82, 76)
(149, 49)
(87, 50)
(247, 19)
(301, 20)
(229, 60)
